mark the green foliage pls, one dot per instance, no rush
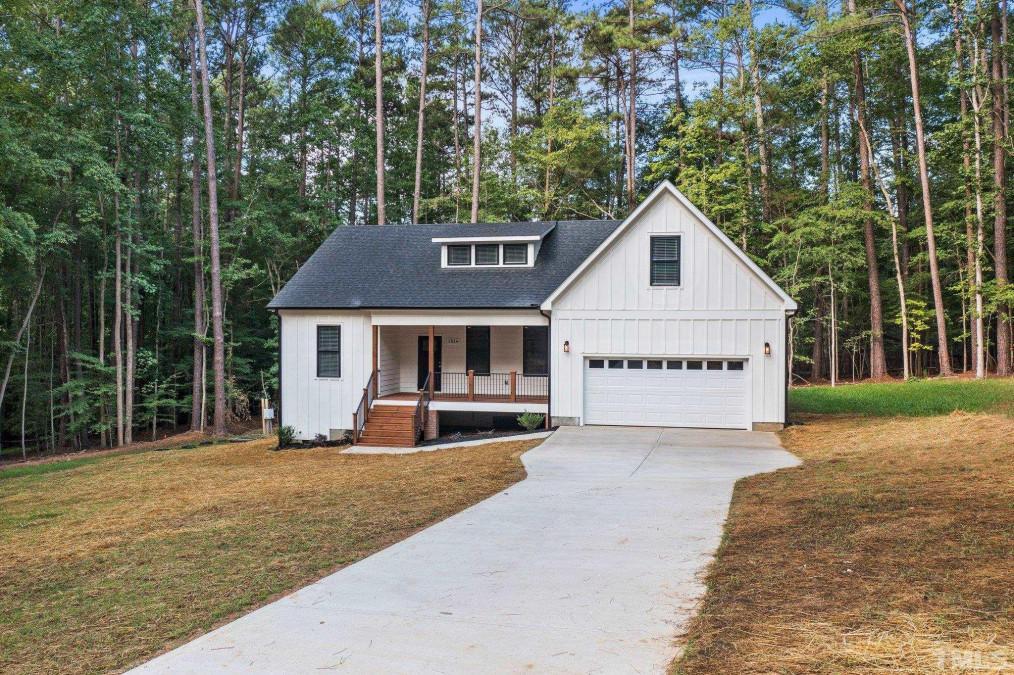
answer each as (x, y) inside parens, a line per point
(98, 139)
(286, 436)
(531, 421)
(918, 398)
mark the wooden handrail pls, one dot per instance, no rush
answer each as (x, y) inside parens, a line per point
(422, 406)
(359, 420)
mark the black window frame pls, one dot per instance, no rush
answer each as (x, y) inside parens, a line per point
(474, 341)
(337, 351)
(524, 250)
(493, 247)
(718, 365)
(468, 247)
(656, 257)
(614, 364)
(592, 363)
(531, 340)
(654, 364)
(635, 364)
(735, 365)
(674, 364)
(694, 364)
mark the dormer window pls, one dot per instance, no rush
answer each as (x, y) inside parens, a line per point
(459, 255)
(515, 254)
(487, 254)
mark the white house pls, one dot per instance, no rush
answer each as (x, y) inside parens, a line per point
(656, 320)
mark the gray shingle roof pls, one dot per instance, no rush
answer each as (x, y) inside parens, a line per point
(398, 266)
(535, 229)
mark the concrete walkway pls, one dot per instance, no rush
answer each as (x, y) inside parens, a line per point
(591, 564)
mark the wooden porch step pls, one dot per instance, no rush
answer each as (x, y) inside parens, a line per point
(390, 425)
(379, 438)
(387, 444)
(392, 410)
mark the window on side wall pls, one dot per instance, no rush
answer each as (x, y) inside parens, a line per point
(329, 351)
(477, 349)
(536, 350)
(665, 261)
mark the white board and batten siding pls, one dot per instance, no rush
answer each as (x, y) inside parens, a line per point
(722, 309)
(316, 405)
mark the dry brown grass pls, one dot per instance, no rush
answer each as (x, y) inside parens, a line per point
(888, 551)
(108, 563)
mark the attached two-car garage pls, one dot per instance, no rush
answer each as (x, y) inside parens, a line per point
(671, 392)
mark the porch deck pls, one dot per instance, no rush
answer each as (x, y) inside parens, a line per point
(461, 398)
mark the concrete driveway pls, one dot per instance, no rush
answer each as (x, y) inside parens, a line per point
(591, 564)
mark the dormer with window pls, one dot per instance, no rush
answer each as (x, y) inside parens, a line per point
(514, 245)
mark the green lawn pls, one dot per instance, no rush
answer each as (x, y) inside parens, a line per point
(917, 398)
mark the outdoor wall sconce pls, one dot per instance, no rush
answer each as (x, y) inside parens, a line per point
(767, 349)
(566, 346)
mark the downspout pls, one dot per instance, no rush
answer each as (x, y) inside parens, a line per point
(549, 372)
(788, 317)
(278, 394)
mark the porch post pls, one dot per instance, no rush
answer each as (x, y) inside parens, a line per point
(433, 362)
(514, 385)
(471, 385)
(376, 358)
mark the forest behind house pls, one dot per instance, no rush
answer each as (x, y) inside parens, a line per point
(166, 166)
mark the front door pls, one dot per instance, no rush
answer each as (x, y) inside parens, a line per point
(424, 360)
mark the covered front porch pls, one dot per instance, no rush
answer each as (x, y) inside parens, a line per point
(458, 362)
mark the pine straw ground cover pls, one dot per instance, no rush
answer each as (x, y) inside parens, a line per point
(889, 550)
(106, 564)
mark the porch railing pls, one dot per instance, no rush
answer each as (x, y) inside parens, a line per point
(422, 406)
(506, 385)
(362, 412)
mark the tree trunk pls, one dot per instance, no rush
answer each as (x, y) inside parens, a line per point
(864, 140)
(1003, 337)
(477, 140)
(197, 228)
(237, 169)
(549, 139)
(758, 111)
(966, 165)
(817, 357)
(420, 123)
(128, 331)
(217, 319)
(878, 361)
(378, 79)
(17, 336)
(632, 114)
(456, 123)
(943, 346)
(24, 390)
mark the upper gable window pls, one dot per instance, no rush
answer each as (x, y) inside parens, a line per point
(459, 255)
(665, 261)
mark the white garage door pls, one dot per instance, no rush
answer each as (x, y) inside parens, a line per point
(671, 392)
